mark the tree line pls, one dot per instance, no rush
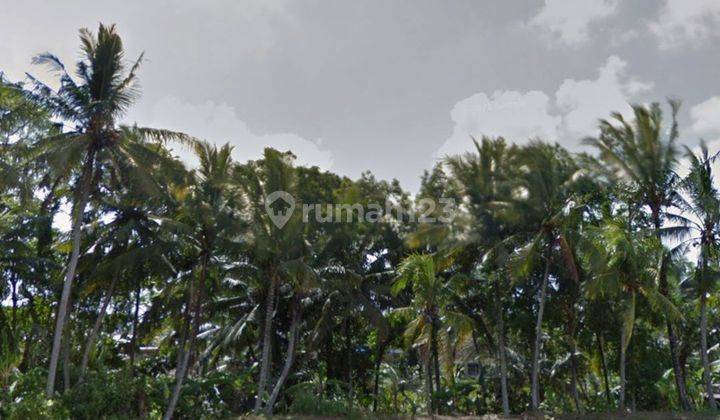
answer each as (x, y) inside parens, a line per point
(564, 282)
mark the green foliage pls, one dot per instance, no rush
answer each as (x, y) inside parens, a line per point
(104, 394)
(25, 399)
(305, 401)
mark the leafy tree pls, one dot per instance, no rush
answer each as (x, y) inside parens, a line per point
(702, 225)
(642, 152)
(545, 196)
(271, 245)
(619, 261)
(93, 147)
(208, 215)
(484, 177)
(433, 326)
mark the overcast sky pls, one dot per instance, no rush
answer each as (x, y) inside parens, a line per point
(391, 86)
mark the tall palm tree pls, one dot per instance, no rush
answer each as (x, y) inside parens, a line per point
(270, 245)
(302, 279)
(643, 152)
(210, 219)
(545, 191)
(620, 261)
(431, 317)
(131, 238)
(701, 222)
(93, 146)
(483, 177)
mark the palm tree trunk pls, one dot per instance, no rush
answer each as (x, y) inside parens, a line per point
(501, 349)
(434, 354)
(376, 384)
(79, 210)
(428, 383)
(289, 358)
(677, 368)
(184, 365)
(482, 401)
(179, 376)
(348, 349)
(538, 333)
(573, 361)
(183, 357)
(436, 365)
(685, 352)
(90, 342)
(66, 348)
(184, 329)
(603, 365)
(266, 344)
(672, 337)
(14, 298)
(27, 357)
(623, 381)
(707, 377)
(133, 342)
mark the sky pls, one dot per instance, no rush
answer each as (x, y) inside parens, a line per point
(391, 86)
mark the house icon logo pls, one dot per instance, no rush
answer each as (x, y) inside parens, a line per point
(280, 214)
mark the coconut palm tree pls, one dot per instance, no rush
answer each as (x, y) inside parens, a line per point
(621, 263)
(132, 238)
(433, 325)
(701, 226)
(644, 153)
(93, 146)
(270, 244)
(545, 196)
(483, 178)
(209, 218)
(302, 279)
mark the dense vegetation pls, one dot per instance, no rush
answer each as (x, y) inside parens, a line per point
(564, 282)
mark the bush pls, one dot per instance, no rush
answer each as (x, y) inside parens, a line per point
(104, 395)
(207, 397)
(306, 401)
(26, 400)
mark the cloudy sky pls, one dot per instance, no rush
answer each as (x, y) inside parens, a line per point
(391, 86)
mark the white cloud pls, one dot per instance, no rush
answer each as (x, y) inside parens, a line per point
(570, 20)
(569, 116)
(705, 123)
(706, 117)
(583, 102)
(686, 22)
(219, 123)
(512, 114)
